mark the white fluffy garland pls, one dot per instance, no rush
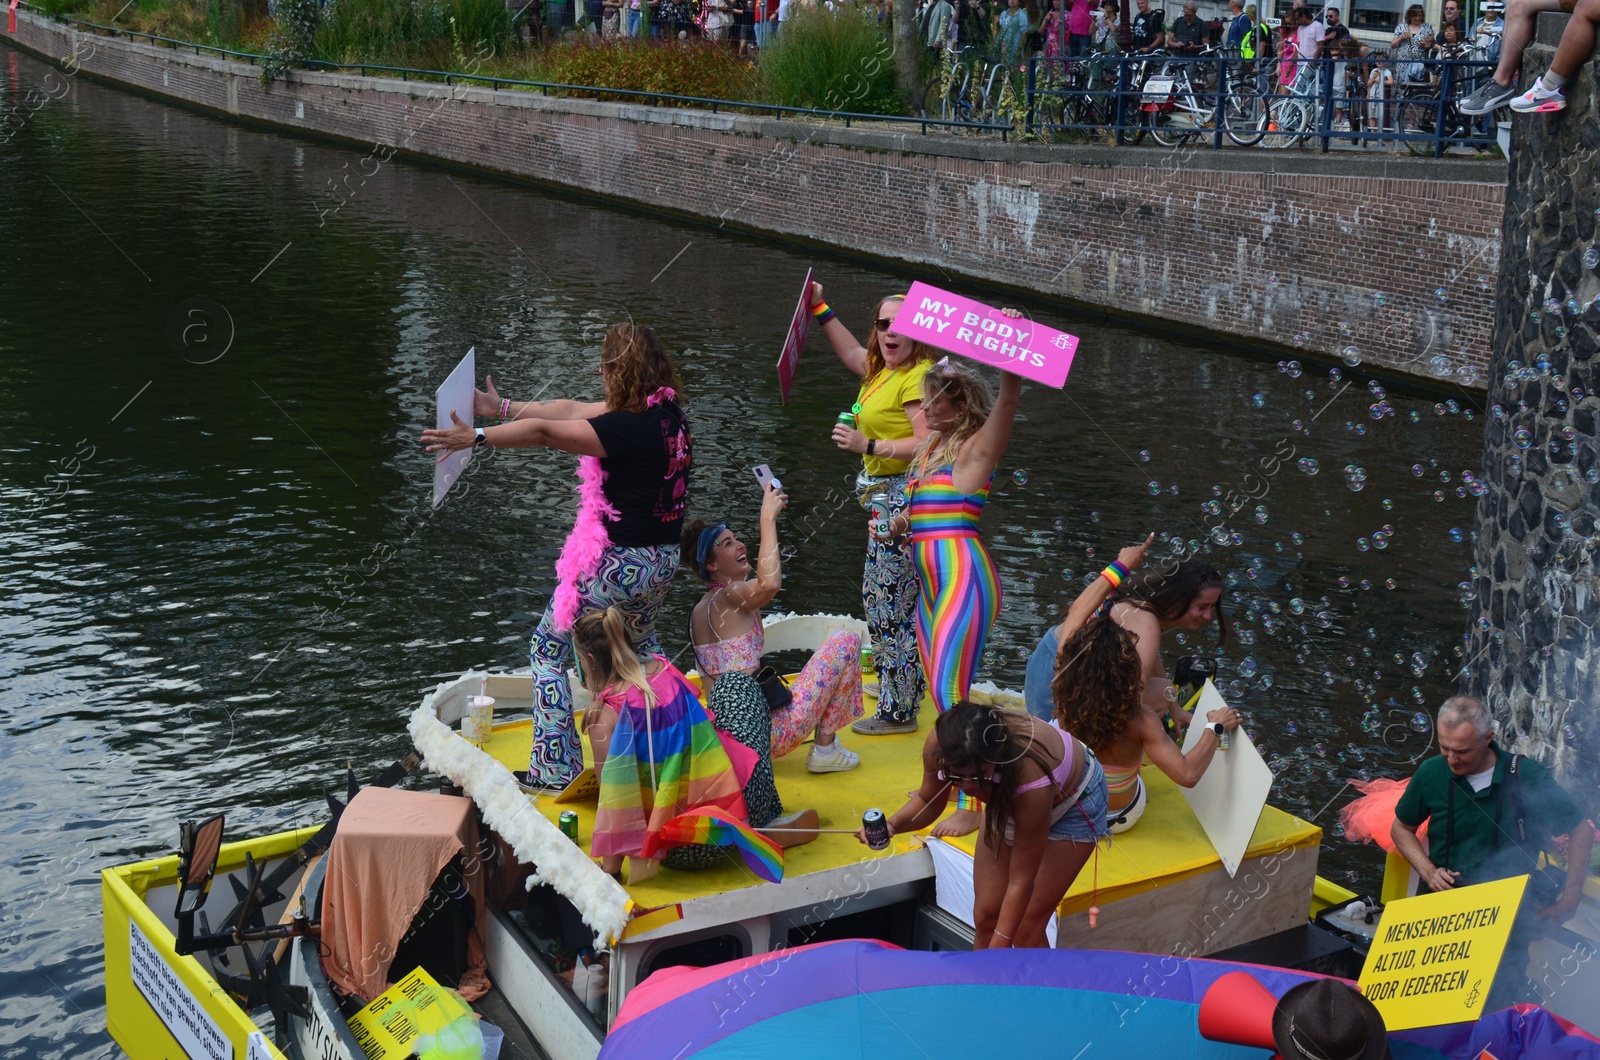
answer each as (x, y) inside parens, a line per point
(507, 809)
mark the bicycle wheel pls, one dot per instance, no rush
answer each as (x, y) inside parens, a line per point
(1242, 118)
(1286, 123)
(1171, 128)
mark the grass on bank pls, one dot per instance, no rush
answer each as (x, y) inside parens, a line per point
(833, 60)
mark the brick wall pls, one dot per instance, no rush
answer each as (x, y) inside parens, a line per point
(1308, 252)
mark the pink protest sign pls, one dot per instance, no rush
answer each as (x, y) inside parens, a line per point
(799, 329)
(986, 335)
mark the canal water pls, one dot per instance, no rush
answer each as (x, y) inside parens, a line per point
(221, 577)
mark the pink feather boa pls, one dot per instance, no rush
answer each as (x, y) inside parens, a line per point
(587, 543)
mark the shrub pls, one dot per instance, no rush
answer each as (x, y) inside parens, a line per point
(685, 68)
(833, 60)
(411, 32)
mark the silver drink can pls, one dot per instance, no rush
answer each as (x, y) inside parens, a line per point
(876, 828)
(880, 516)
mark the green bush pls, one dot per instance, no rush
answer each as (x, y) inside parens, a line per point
(687, 68)
(411, 32)
(832, 60)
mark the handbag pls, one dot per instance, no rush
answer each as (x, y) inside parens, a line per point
(772, 686)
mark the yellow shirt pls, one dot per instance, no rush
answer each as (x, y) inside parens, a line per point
(883, 401)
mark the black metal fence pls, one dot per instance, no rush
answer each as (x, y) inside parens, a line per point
(1217, 100)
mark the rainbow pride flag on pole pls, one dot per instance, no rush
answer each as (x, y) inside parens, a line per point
(709, 825)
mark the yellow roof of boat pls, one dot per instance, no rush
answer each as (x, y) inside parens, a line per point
(1167, 846)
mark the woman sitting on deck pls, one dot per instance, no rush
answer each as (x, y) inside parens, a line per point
(1045, 808)
(655, 750)
(1098, 690)
(725, 628)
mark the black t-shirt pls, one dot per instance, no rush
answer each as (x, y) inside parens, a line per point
(647, 473)
(1146, 25)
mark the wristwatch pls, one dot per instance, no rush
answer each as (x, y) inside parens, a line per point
(1217, 727)
(481, 440)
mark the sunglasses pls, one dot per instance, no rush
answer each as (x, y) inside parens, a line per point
(970, 778)
(884, 322)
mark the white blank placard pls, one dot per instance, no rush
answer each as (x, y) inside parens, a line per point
(1231, 794)
(456, 392)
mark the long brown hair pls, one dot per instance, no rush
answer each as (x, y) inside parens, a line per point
(994, 742)
(959, 383)
(1168, 593)
(1098, 684)
(920, 351)
(634, 365)
(612, 667)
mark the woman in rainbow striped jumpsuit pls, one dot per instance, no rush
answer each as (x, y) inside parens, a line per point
(959, 586)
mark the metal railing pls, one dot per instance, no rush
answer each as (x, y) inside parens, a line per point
(1215, 99)
(456, 77)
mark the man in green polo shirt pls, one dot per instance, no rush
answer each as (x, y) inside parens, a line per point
(1486, 824)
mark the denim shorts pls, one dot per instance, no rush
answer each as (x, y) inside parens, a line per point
(1085, 822)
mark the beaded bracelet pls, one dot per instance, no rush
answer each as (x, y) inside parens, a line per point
(505, 408)
(1116, 574)
(823, 313)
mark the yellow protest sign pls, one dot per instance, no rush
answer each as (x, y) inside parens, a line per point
(388, 1028)
(1436, 954)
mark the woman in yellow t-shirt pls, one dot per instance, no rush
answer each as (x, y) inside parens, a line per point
(888, 427)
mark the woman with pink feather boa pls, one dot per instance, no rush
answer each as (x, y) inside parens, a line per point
(633, 479)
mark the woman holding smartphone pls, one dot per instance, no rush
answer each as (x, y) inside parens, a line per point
(887, 427)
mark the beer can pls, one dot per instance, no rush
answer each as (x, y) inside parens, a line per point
(1222, 740)
(880, 516)
(876, 828)
(847, 419)
(569, 824)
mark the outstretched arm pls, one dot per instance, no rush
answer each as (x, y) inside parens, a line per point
(845, 346)
(1185, 769)
(757, 591)
(984, 449)
(927, 802)
(489, 404)
(570, 436)
(1089, 601)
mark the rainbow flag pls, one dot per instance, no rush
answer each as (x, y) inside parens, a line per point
(715, 827)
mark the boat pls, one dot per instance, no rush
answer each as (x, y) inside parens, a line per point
(566, 946)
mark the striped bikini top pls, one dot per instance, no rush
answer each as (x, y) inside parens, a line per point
(938, 509)
(1120, 781)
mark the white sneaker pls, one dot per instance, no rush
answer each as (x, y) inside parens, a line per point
(1539, 100)
(834, 758)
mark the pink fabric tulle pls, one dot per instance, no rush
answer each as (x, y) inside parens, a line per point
(587, 543)
(1368, 818)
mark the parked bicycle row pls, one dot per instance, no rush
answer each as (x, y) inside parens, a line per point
(1205, 99)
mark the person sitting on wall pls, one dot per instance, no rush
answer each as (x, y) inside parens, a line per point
(1490, 813)
(1545, 95)
(1516, 32)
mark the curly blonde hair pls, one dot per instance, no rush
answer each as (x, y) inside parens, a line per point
(1098, 684)
(634, 365)
(920, 351)
(963, 384)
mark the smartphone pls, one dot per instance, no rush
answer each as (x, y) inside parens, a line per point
(763, 475)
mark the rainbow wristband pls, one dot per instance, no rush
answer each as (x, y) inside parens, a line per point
(1116, 574)
(823, 313)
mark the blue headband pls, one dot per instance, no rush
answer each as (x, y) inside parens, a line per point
(702, 548)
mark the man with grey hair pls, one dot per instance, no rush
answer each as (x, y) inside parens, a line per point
(1489, 815)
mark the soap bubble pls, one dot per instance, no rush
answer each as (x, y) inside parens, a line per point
(1297, 606)
(1301, 338)
(1388, 583)
(1522, 437)
(1456, 534)
(1350, 355)
(1591, 258)
(1144, 455)
(1379, 298)
(1483, 283)
(1257, 400)
(1416, 469)
(1211, 508)
(1440, 295)
(1155, 488)
(1094, 517)
(1261, 513)
(1308, 464)
(1388, 505)
(1247, 667)
(1362, 544)
(1272, 281)
(1420, 722)
(1298, 538)
(1552, 306)
(1020, 476)
(1294, 369)
(1334, 375)
(1355, 477)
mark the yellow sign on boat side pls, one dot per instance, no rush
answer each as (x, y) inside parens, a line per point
(1436, 954)
(388, 1028)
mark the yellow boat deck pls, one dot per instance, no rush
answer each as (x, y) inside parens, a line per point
(1166, 847)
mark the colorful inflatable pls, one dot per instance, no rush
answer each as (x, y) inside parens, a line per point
(869, 999)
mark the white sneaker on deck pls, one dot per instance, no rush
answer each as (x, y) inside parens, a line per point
(834, 758)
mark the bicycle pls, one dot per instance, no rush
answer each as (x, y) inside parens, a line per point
(1176, 110)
